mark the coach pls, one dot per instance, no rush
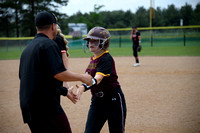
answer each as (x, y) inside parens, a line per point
(40, 69)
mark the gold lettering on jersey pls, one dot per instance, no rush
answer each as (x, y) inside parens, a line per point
(92, 66)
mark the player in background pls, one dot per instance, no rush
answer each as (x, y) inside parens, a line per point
(107, 102)
(136, 39)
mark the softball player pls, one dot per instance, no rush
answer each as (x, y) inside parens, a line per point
(107, 102)
(63, 88)
(136, 38)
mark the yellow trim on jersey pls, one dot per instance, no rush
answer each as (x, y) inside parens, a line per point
(105, 75)
(99, 55)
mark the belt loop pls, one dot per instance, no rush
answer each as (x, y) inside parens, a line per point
(99, 94)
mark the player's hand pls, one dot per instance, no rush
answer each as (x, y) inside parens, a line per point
(71, 96)
(87, 79)
(80, 90)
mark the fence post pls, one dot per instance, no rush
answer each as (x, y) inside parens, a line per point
(151, 40)
(184, 38)
(6, 46)
(120, 40)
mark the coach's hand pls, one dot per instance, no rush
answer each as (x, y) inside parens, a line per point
(71, 96)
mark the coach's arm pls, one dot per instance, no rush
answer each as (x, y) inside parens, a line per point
(71, 76)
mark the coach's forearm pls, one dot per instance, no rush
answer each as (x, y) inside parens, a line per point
(69, 76)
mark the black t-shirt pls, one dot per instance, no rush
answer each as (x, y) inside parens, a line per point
(135, 38)
(39, 62)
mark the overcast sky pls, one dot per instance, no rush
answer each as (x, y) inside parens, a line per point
(86, 6)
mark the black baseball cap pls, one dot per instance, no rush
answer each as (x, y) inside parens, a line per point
(45, 18)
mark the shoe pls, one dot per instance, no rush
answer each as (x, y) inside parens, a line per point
(136, 64)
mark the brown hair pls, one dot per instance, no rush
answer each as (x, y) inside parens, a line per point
(44, 27)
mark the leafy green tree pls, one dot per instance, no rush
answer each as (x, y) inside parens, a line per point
(141, 17)
(19, 15)
(116, 18)
(105, 19)
(158, 20)
(186, 14)
(7, 18)
(128, 18)
(171, 16)
(196, 16)
(95, 17)
(32, 7)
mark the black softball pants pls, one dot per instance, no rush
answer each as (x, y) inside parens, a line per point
(135, 52)
(111, 108)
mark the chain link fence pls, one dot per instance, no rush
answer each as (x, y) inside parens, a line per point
(151, 37)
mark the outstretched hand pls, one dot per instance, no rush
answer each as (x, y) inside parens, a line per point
(80, 90)
(71, 96)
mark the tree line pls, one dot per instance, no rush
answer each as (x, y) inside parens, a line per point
(17, 17)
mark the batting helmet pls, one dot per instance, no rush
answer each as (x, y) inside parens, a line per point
(101, 34)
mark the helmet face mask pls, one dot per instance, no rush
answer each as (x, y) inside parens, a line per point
(101, 34)
(97, 44)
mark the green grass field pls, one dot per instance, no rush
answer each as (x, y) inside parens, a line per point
(164, 44)
(125, 51)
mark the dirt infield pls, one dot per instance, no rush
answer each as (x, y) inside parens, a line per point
(162, 95)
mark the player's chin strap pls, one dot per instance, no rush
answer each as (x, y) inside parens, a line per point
(85, 47)
(94, 83)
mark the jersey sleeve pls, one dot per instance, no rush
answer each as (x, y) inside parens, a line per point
(54, 60)
(104, 67)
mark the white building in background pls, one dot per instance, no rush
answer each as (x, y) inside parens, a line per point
(77, 29)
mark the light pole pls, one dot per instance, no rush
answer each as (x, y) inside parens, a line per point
(150, 19)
